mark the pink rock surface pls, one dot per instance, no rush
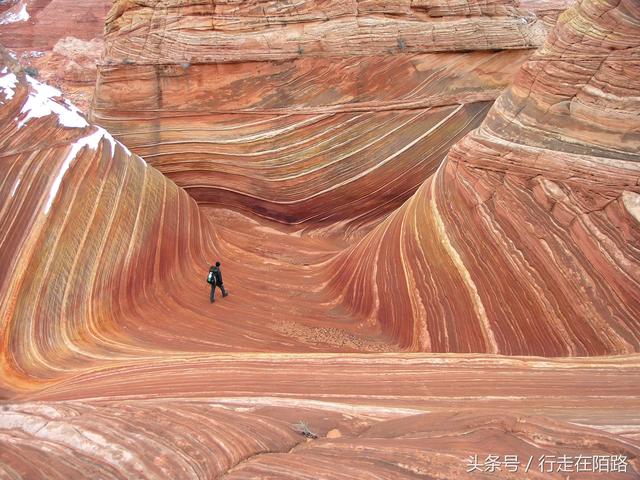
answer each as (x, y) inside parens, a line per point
(400, 416)
(522, 248)
(302, 113)
(47, 21)
(531, 219)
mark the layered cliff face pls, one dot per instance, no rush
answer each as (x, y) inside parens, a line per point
(301, 113)
(106, 258)
(255, 31)
(113, 363)
(532, 220)
(92, 238)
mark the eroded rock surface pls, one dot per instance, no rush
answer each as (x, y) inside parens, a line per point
(113, 363)
(399, 416)
(525, 241)
(302, 113)
(59, 40)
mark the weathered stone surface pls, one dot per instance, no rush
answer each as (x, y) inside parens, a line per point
(531, 218)
(301, 113)
(59, 39)
(175, 31)
(47, 21)
(113, 364)
(400, 416)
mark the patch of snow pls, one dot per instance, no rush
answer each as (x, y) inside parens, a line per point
(40, 104)
(8, 82)
(43, 88)
(15, 187)
(36, 54)
(631, 201)
(115, 142)
(74, 110)
(10, 17)
(112, 141)
(92, 141)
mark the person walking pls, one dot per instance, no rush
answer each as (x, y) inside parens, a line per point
(215, 280)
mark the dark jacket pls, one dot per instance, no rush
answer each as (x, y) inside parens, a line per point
(217, 274)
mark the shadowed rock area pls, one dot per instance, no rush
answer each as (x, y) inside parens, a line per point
(310, 113)
(418, 275)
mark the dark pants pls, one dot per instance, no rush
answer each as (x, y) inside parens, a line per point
(213, 291)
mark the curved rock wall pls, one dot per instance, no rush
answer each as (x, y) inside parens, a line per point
(525, 241)
(106, 259)
(302, 113)
(88, 232)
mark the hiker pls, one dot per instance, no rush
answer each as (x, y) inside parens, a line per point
(215, 280)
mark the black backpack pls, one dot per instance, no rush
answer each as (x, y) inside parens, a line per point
(211, 278)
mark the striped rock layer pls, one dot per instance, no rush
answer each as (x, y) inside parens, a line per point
(309, 113)
(84, 226)
(526, 239)
(389, 417)
(106, 258)
(114, 365)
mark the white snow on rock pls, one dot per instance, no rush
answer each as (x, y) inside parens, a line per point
(92, 141)
(15, 187)
(40, 104)
(115, 142)
(112, 141)
(631, 202)
(8, 82)
(11, 17)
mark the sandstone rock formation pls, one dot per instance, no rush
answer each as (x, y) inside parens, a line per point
(399, 416)
(39, 24)
(102, 247)
(114, 365)
(532, 219)
(301, 113)
(70, 232)
(212, 33)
